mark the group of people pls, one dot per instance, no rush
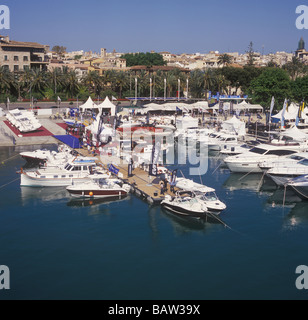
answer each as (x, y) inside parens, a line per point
(164, 186)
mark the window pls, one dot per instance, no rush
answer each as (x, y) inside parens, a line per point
(281, 152)
(16, 68)
(15, 58)
(6, 58)
(26, 58)
(26, 68)
(6, 67)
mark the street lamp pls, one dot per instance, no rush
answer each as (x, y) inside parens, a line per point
(187, 81)
(150, 89)
(136, 84)
(179, 88)
(165, 86)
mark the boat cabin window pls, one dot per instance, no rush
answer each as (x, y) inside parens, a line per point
(230, 139)
(304, 162)
(68, 167)
(85, 168)
(280, 152)
(77, 168)
(295, 157)
(257, 150)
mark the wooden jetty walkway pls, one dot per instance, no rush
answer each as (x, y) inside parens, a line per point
(144, 186)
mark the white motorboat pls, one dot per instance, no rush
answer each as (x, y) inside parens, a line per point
(300, 186)
(25, 121)
(282, 174)
(204, 193)
(77, 170)
(249, 161)
(185, 205)
(219, 143)
(44, 155)
(99, 187)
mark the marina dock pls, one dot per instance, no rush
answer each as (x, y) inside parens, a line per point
(143, 185)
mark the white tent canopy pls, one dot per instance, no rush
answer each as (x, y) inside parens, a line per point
(88, 105)
(243, 106)
(234, 125)
(107, 104)
(289, 114)
(295, 133)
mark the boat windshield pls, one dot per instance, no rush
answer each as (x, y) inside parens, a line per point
(209, 196)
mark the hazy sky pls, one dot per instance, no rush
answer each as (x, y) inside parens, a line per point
(161, 25)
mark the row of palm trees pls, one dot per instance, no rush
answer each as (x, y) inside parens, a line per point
(66, 83)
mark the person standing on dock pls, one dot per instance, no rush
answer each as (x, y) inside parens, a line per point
(165, 185)
(162, 188)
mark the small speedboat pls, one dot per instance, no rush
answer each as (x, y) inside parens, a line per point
(185, 205)
(99, 187)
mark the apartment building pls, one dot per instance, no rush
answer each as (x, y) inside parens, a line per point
(17, 56)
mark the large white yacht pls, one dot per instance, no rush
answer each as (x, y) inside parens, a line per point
(25, 121)
(249, 161)
(76, 170)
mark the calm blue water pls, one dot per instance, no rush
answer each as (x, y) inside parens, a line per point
(60, 249)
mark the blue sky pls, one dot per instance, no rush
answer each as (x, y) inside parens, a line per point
(162, 25)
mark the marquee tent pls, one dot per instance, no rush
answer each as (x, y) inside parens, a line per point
(88, 105)
(108, 105)
(234, 125)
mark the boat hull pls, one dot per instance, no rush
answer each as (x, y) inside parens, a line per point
(182, 211)
(92, 193)
(28, 181)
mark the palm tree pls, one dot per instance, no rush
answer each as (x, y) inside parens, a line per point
(295, 67)
(122, 81)
(93, 82)
(225, 59)
(55, 79)
(71, 84)
(6, 81)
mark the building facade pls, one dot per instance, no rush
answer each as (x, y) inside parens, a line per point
(17, 56)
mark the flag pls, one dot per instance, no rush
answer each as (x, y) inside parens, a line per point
(100, 127)
(8, 100)
(272, 105)
(113, 98)
(259, 116)
(59, 99)
(178, 109)
(113, 169)
(283, 112)
(154, 160)
(299, 113)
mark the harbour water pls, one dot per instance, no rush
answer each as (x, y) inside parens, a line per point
(59, 248)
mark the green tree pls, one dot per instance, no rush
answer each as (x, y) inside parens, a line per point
(271, 82)
(295, 67)
(59, 50)
(299, 89)
(143, 59)
(251, 55)
(225, 59)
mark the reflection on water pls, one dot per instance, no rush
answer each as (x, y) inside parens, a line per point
(183, 225)
(81, 202)
(44, 194)
(282, 196)
(254, 182)
(298, 215)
